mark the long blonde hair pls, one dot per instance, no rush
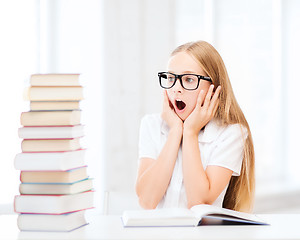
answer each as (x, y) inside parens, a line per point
(240, 192)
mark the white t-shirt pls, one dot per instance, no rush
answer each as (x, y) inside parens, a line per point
(219, 146)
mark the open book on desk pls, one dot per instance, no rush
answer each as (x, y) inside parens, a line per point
(197, 215)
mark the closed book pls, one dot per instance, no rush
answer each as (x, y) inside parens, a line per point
(68, 176)
(56, 188)
(50, 145)
(47, 223)
(54, 79)
(35, 93)
(50, 118)
(53, 204)
(42, 132)
(54, 105)
(49, 161)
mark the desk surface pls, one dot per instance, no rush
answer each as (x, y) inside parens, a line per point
(283, 226)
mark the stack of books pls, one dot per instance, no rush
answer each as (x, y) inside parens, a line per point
(55, 189)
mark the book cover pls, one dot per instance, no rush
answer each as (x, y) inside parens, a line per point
(51, 132)
(56, 188)
(54, 105)
(55, 79)
(52, 93)
(49, 161)
(44, 222)
(53, 204)
(68, 176)
(50, 145)
(50, 118)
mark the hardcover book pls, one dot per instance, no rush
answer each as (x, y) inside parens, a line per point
(68, 176)
(53, 204)
(50, 145)
(73, 93)
(39, 132)
(56, 188)
(54, 105)
(50, 118)
(49, 161)
(56, 79)
(51, 223)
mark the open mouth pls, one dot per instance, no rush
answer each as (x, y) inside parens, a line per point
(180, 104)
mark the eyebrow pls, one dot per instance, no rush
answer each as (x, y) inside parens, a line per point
(185, 72)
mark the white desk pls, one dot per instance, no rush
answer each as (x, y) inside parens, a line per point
(283, 226)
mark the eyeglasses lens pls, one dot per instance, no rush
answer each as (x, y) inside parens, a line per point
(189, 82)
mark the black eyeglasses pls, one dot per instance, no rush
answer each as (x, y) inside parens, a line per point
(188, 81)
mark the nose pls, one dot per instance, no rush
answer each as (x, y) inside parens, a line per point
(177, 87)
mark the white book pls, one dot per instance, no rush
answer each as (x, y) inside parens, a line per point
(50, 118)
(57, 223)
(49, 161)
(56, 188)
(56, 79)
(53, 204)
(39, 132)
(50, 145)
(68, 176)
(54, 93)
(54, 105)
(187, 217)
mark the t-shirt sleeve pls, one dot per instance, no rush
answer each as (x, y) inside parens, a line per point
(229, 149)
(147, 146)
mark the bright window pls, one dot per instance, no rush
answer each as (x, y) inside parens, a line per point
(18, 59)
(258, 43)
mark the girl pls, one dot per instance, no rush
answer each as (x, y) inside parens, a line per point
(200, 149)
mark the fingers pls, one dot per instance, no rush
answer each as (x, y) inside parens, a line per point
(216, 95)
(209, 102)
(200, 98)
(166, 99)
(215, 107)
(208, 98)
(167, 102)
(214, 104)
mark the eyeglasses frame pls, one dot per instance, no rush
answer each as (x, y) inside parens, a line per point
(179, 76)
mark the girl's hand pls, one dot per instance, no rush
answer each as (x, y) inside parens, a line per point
(204, 111)
(169, 115)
